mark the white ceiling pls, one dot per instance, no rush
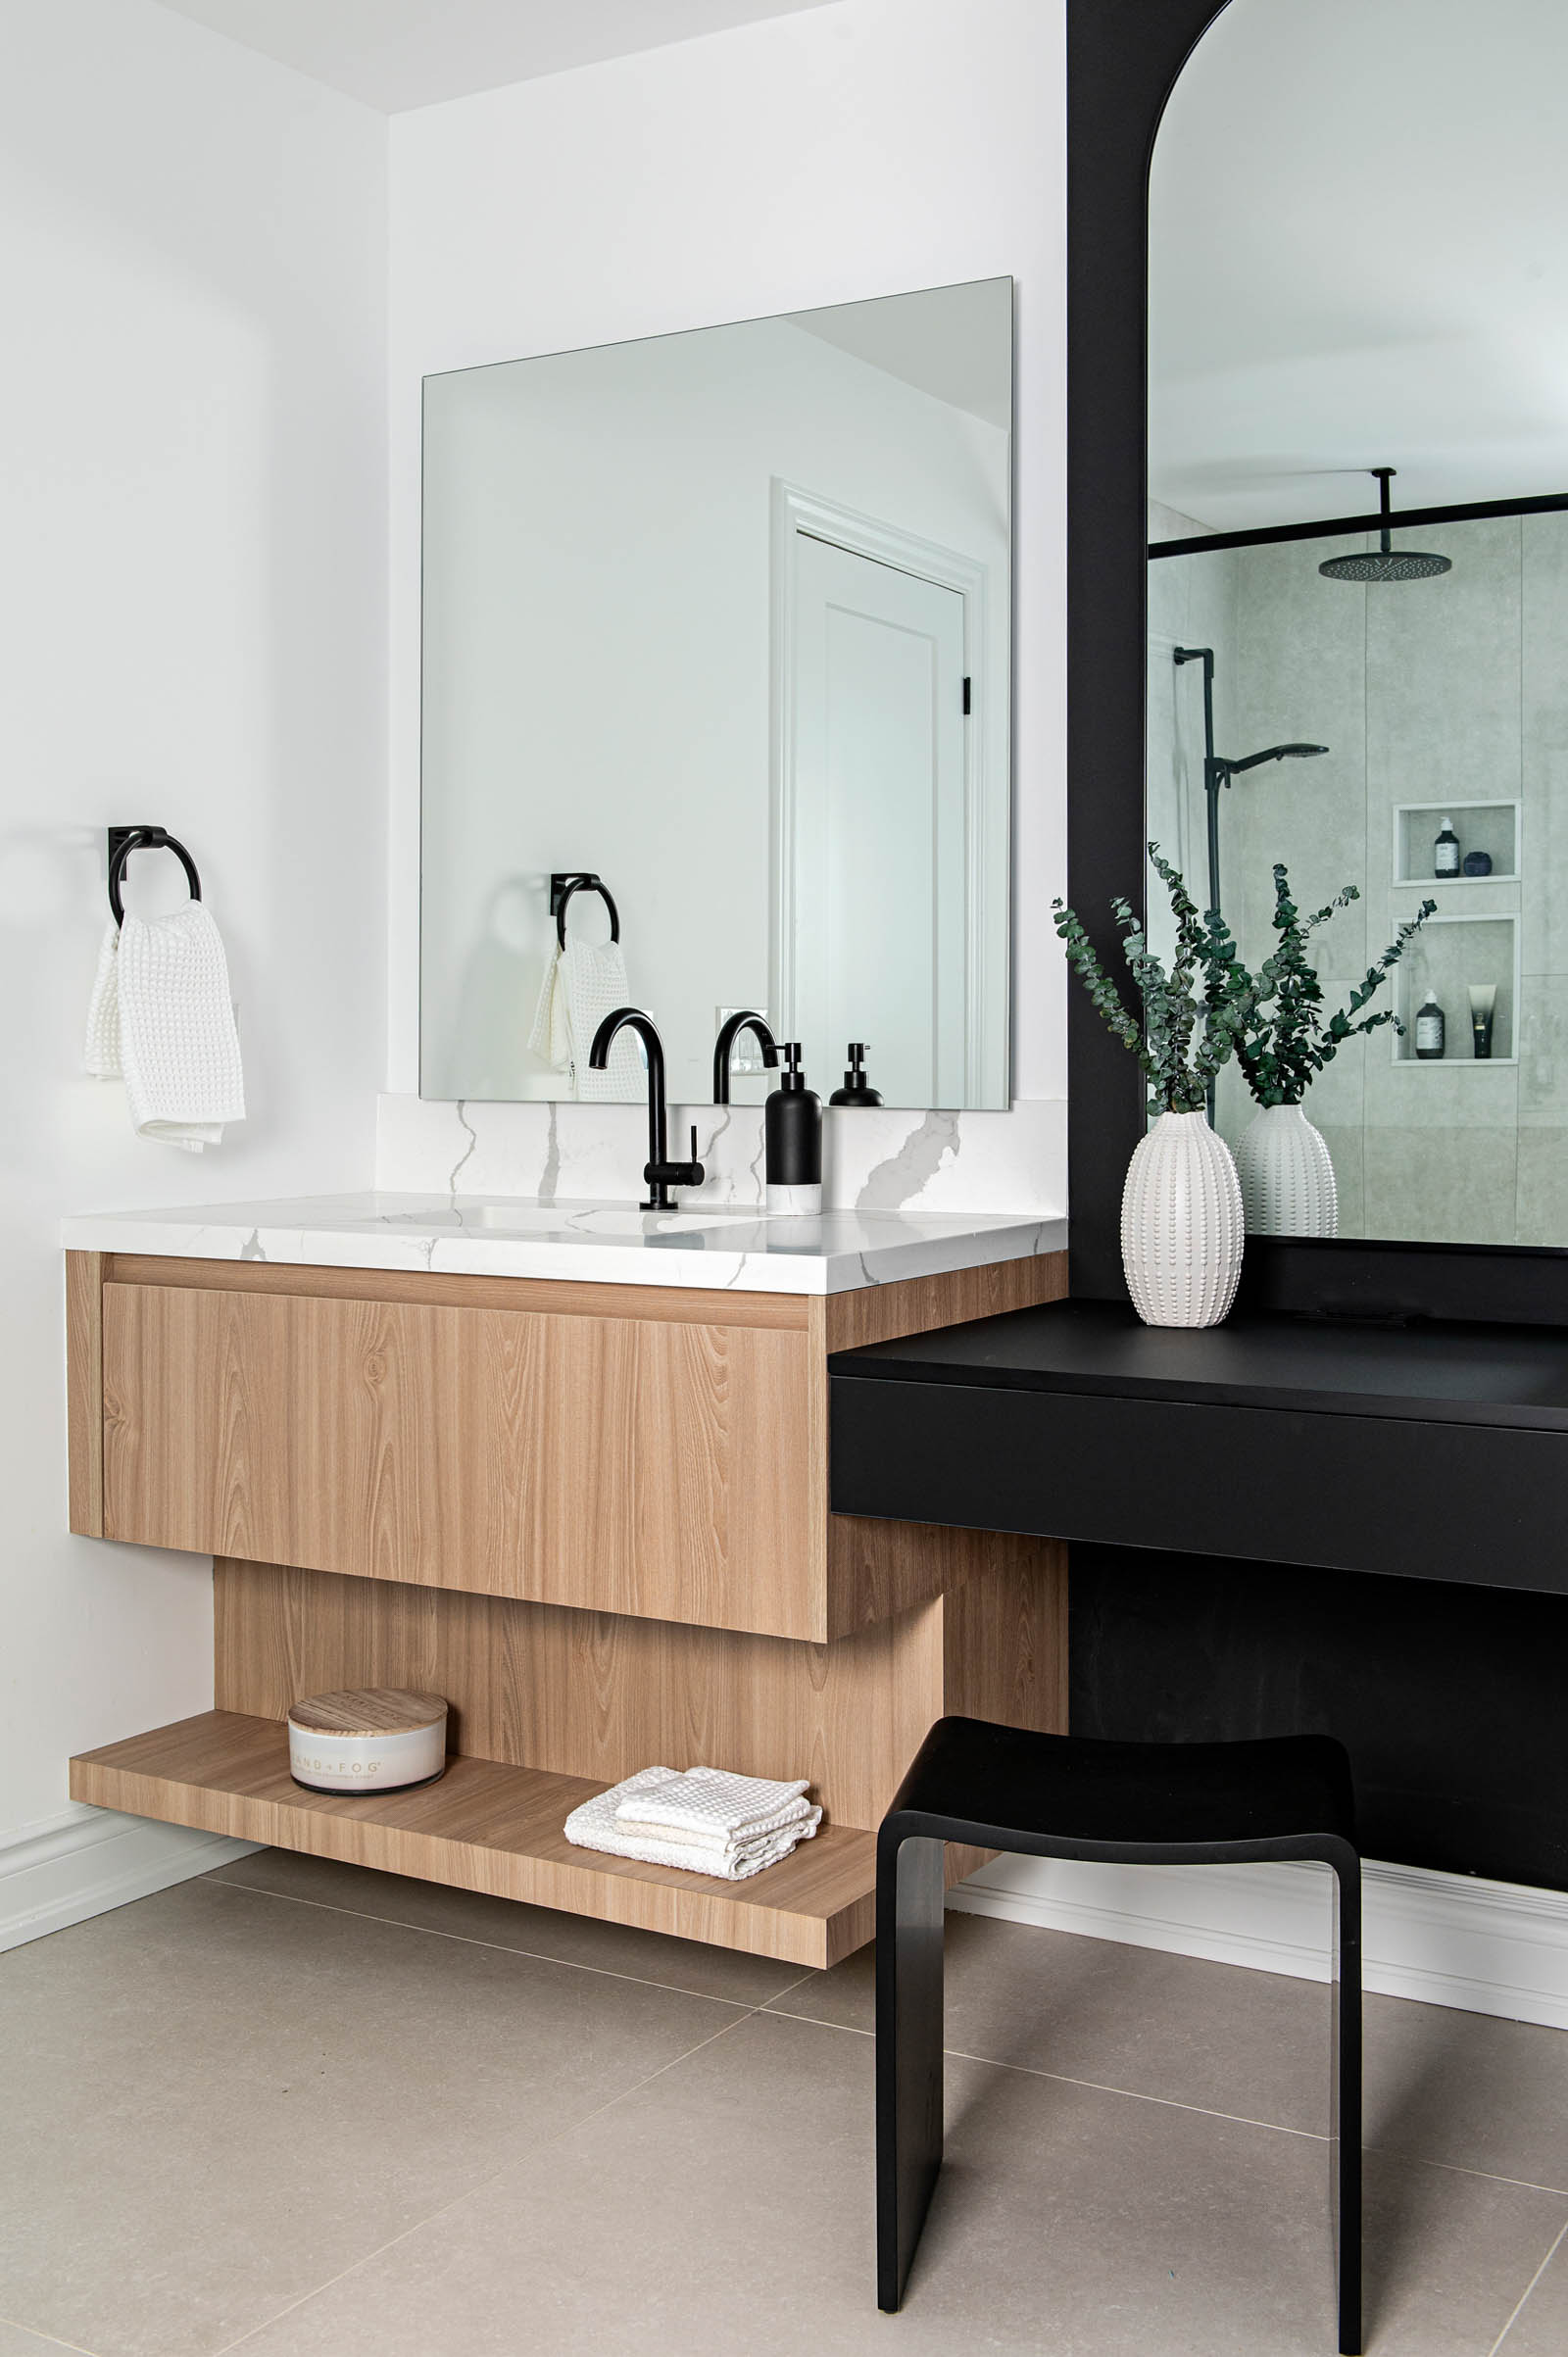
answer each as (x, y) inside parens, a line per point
(398, 54)
(1359, 257)
(949, 341)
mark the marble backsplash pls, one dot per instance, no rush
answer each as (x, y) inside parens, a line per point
(873, 1159)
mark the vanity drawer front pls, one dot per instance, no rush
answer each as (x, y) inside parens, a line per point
(1413, 1497)
(634, 1464)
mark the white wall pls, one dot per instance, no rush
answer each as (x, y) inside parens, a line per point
(192, 508)
(853, 151)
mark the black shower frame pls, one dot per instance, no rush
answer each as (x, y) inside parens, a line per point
(1124, 58)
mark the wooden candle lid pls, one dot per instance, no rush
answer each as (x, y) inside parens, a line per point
(367, 1710)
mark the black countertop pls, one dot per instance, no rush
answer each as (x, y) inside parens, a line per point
(1456, 1373)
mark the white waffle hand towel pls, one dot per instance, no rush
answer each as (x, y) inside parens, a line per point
(593, 1826)
(800, 1821)
(161, 1018)
(711, 1805)
(583, 983)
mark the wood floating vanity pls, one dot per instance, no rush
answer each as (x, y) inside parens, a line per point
(590, 1509)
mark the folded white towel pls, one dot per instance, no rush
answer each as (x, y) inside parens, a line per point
(582, 984)
(707, 1801)
(800, 1820)
(593, 1826)
(161, 1018)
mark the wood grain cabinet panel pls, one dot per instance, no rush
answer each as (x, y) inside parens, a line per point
(594, 1517)
(641, 1466)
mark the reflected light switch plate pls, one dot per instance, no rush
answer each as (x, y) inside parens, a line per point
(748, 1055)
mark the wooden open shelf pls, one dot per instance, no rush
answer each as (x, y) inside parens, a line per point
(482, 1827)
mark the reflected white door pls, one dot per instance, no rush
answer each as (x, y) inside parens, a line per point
(879, 885)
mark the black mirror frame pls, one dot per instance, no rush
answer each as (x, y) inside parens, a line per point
(1124, 58)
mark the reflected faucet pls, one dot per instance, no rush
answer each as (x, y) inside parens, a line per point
(724, 1047)
(661, 1173)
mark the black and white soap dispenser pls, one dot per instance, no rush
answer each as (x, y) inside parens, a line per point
(792, 1129)
(857, 1089)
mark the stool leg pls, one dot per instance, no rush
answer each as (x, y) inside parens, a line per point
(910, 1892)
(1345, 2116)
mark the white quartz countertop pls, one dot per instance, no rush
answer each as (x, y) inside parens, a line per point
(723, 1246)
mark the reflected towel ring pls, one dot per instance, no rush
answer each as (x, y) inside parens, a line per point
(562, 887)
(124, 840)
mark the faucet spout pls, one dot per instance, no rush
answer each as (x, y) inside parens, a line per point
(660, 1171)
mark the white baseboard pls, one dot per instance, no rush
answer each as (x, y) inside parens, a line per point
(87, 1860)
(1443, 1938)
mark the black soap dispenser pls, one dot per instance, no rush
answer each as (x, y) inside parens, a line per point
(857, 1089)
(792, 1128)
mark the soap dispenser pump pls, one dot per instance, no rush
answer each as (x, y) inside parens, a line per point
(857, 1089)
(792, 1126)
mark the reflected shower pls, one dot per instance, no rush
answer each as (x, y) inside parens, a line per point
(1218, 768)
(1385, 563)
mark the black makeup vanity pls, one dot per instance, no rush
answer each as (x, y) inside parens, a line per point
(1343, 1510)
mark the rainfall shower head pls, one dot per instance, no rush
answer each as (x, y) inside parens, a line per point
(1385, 563)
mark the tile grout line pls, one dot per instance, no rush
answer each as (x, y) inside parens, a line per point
(1203, 2111)
(417, 2225)
(1528, 2290)
(1524, 2296)
(499, 1948)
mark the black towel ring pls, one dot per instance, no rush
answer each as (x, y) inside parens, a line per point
(124, 840)
(561, 888)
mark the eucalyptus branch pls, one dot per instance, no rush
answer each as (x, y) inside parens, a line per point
(1287, 1040)
(1188, 1032)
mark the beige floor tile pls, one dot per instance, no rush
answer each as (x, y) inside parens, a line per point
(1540, 2327)
(1248, 2044)
(610, 1948)
(16, 2341)
(727, 2207)
(1468, 2090)
(165, 2070)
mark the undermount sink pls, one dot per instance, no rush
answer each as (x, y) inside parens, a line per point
(604, 1220)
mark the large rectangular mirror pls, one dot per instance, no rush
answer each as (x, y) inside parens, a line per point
(722, 622)
(1356, 266)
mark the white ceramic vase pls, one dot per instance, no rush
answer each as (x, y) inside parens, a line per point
(1287, 1176)
(1182, 1228)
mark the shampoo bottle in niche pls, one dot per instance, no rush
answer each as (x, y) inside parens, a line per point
(1430, 1028)
(792, 1124)
(1446, 851)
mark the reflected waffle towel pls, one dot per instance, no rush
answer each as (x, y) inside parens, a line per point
(583, 983)
(161, 1017)
(595, 1826)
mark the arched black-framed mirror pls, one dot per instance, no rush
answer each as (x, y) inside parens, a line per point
(1125, 60)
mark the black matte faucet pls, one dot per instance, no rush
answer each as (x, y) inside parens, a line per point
(724, 1047)
(661, 1173)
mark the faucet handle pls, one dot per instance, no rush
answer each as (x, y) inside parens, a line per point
(694, 1141)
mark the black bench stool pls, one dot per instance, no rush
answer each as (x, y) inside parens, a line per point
(1056, 1796)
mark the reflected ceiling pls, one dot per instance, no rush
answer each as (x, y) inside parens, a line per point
(1358, 227)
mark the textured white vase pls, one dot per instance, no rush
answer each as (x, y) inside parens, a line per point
(1287, 1176)
(1182, 1228)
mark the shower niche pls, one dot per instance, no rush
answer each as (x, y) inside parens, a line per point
(1489, 828)
(1451, 955)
